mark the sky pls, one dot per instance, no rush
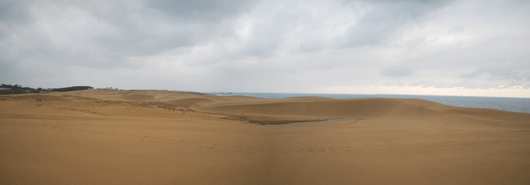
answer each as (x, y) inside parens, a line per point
(442, 47)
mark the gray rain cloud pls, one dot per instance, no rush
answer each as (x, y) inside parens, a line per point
(265, 46)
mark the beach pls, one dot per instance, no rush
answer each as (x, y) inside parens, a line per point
(167, 137)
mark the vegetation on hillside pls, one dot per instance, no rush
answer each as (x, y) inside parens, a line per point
(18, 89)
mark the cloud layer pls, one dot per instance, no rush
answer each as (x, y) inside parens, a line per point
(267, 46)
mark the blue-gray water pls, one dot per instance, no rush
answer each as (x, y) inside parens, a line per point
(506, 104)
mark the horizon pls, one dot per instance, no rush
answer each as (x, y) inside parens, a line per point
(432, 48)
(234, 92)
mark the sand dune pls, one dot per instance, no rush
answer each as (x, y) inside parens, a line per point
(358, 107)
(163, 137)
(361, 108)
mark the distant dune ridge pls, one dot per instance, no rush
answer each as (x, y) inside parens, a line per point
(164, 137)
(137, 96)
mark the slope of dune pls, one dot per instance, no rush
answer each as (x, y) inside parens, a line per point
(355, 108)
(137, 96)
(188, 102)
(164, 137)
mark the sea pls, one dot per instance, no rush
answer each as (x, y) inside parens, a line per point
(500, 103)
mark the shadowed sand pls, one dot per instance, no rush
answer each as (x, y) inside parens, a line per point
(162, 137)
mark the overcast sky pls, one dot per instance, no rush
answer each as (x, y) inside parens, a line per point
(473, 48)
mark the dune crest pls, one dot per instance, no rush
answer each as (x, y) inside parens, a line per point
(188, 102)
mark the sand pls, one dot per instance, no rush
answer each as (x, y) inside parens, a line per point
(163, 137)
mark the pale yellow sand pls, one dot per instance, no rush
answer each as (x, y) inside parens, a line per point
(162, 137)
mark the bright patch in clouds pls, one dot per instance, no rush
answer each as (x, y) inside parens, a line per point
(515, 91)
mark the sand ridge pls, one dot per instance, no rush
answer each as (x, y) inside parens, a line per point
(164, 137)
